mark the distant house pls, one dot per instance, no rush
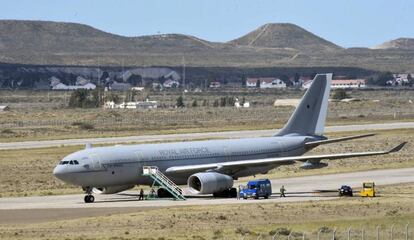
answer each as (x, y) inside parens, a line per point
(54, 81)
(265, 82)
(343, 83)
(401, 79)
(348, 83)
(62, 86)
(4, 108)
(215, 84)
(81, 81)
(171, 84)
(117, 86)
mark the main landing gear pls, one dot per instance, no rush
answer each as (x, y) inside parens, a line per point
(89, 198)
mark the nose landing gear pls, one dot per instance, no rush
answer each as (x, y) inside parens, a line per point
(89, 198)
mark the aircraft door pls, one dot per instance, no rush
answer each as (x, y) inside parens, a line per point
(140, 158)
(226, 153)
(95, 161)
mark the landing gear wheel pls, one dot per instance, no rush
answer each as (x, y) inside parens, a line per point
(89, 199)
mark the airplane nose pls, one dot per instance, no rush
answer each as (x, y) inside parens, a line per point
(64, 174)
(57, 172)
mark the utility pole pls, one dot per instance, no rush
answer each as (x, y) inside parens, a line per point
(98, 71)
(183, 62)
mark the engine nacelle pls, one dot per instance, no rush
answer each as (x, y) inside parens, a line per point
(313, 165)
(209, 182)
(111, 189)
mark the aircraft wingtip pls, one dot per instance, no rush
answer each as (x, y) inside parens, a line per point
(398, 148)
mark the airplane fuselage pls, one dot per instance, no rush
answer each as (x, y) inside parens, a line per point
(122, 164)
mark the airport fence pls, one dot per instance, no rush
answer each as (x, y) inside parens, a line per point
(379, 232)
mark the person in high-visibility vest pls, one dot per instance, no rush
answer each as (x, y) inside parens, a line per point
(282, 191)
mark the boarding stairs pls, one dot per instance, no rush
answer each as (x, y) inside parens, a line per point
(163, 181)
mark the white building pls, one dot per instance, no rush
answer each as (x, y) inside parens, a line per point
(61, 86)
(54, 81)
(348, 83)
(401, 79)
(4, 108)
(237, 104)
(132, 105)
(81, 81)
(171, 84)
(343, 83)
(265, 82)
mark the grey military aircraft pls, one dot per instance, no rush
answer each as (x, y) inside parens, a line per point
(209, 167)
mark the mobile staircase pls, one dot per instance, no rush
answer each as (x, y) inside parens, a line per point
(163, 181)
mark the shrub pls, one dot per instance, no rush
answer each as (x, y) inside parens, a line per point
(83, 125)
(339, 94)
(242, 231)
(280, 231)
(325, 229)
(7, 131)
(83, 98)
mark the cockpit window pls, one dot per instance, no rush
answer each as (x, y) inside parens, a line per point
(71, 162)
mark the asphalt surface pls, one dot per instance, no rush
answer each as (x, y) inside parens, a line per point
(298, 189)
(189, 136)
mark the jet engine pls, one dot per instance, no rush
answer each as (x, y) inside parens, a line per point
(313, 165)
(111, 189)
(209, 182)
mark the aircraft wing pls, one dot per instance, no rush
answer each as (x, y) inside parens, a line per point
(272, 161)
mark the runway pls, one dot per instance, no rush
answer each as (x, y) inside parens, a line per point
(190, 136)
(293, 185)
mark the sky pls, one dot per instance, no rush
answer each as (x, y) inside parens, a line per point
(348, 23)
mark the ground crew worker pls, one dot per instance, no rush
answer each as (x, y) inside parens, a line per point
(141, 195)
(152, 193)
(238, 192)
(282, 191)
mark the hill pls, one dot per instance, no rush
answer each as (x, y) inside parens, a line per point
(272, 45)
(72, 38)
(285, 35)
(400, 43)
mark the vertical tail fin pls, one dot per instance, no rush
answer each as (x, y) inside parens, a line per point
(309, 117)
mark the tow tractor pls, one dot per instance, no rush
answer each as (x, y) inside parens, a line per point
(256, 189)
(368, 189)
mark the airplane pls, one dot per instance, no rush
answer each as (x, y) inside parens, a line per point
(210, 167)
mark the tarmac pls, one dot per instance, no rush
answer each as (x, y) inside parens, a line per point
(190, 136)
(298, 189)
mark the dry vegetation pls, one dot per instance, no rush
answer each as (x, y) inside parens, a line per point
(29, 172)
(41, 115)
(394, 206)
